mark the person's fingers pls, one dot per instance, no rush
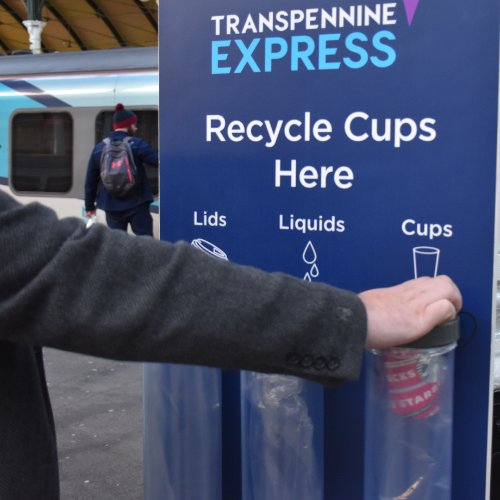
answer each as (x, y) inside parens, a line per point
(430, 290)
(450, 291)
(403, 313)
(437, 313)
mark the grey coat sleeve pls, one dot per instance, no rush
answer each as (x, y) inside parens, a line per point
(105, 293)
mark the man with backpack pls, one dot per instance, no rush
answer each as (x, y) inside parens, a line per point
(116, 181)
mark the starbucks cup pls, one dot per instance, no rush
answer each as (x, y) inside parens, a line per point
(409, 418)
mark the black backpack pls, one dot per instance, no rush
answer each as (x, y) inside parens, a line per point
(118, 171)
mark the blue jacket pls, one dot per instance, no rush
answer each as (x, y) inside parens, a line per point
(96, 194)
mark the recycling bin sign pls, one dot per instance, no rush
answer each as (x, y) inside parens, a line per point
(348, 143)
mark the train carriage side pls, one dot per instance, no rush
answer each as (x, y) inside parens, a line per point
(54, 109)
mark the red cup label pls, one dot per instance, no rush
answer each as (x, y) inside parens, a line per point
(413, 385)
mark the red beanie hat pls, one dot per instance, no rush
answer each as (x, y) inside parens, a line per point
(123, 117)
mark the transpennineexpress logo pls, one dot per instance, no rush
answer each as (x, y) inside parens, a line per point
(351, 37)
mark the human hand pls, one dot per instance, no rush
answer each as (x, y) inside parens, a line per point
(404, 313)
(90, 213)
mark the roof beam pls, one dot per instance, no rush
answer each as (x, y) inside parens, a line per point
(12, 12)
(99, 13)
(4, 46)
(148, 15)
(66, 25)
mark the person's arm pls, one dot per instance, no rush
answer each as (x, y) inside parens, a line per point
(146, 153)
(105, 293)
(91, 183)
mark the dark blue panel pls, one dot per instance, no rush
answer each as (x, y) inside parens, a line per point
(434, 187)
(344, 441)
(231, 435)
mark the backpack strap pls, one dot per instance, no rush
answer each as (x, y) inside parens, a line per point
(107, 142)
(129, 152)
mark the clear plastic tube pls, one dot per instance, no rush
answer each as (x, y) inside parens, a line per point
(279, 462)
(182, 432)
(183, 426)
(496, 343)
(409, 424)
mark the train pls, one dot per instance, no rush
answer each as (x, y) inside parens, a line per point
(54, 108)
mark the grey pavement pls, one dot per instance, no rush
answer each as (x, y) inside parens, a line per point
(97, 406)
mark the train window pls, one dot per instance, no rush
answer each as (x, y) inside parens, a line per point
(42, 152)
(147, 130)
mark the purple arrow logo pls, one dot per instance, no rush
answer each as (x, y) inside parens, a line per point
(411, 7)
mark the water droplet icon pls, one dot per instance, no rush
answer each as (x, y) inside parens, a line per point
(314, 271)
(309, 254)
(307, 277)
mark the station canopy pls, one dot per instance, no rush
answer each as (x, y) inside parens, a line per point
(76, 25)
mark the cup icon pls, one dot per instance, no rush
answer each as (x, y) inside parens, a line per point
(425, 261)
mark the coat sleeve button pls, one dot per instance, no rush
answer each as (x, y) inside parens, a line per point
(333, 363)
(307, 361)
(293, 359)
(319, 363)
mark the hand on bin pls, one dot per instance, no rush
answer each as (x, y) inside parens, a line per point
(403, 313)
